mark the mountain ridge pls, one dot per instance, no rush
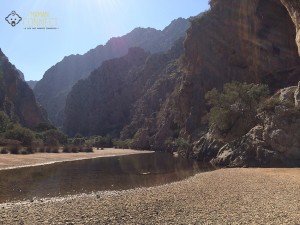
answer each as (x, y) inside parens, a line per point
(250, 41)
(51, 91)
(16, 97)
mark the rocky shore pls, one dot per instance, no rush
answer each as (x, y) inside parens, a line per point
(227, 196)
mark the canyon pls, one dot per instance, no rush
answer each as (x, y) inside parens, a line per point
(246, 41)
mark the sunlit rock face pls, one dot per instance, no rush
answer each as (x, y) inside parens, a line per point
(293, 6)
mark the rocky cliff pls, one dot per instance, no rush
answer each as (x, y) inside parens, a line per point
(57, 82)
(16, 97)
(272, 142)
(250, 40)
(112, 96)
(293, 7)
(31, 83)
(253, 41)
(101, 103)
(257, 45)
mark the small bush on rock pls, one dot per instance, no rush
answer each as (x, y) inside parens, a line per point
(4, 151)
(237, 103)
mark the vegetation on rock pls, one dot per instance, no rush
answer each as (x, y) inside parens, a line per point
(234, 109)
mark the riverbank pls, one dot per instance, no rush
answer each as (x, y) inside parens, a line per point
(10, 161)
(227, 196)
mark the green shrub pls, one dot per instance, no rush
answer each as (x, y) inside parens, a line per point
(85, 149)
(24, 135)
(238, 102)
(89, 149)
(78, 141)
(124, 144)
(271, 103)
(4, 151)
(44, 127)
(24, 152)
(4, 122)
(53, 137)
(103, 142)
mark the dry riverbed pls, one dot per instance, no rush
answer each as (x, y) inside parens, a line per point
(12, 161)
(228, 196)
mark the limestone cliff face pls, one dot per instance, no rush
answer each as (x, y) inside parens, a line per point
(101, 104)
(293, 6)
(16, 97)
(273, 142)
(163, 98)
(31, 83)
(52, 90)
(128, 97)
(249, 40)
(154, 116)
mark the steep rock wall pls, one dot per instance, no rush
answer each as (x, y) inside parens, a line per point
(249, 41)
(16, 97)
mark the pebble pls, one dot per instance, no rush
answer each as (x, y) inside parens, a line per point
(229, 196)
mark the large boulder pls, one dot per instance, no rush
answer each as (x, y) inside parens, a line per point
(273, 142)
(297, 96)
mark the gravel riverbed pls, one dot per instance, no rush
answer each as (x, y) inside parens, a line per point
(227, 196)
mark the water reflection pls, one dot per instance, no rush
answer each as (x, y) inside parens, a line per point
(115, 173)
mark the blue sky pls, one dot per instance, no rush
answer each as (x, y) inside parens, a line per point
(83, 24)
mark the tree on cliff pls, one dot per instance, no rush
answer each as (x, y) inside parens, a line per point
(233, 110)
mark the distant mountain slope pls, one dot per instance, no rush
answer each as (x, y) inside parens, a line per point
(106, 88)
(53, 89)
(16, 98)
(32, 83)
(114, 95)
(21, 74)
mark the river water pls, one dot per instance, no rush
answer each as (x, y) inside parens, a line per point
(101, 174)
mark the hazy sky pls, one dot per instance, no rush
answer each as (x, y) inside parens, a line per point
(82, 25)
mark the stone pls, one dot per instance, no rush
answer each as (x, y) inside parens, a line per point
(287, 94)
(297, 96)
(273, 142)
